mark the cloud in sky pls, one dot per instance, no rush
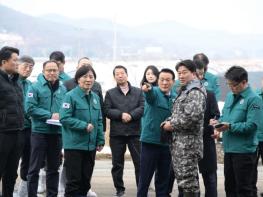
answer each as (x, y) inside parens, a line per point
(236, 16)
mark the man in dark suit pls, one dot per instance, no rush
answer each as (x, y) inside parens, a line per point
(208, 164)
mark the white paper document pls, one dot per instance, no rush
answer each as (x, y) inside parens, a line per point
(53, 122)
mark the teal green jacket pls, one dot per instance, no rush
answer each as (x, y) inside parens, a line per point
(260, 128)
(78, 110)
(210, 83)
(41, 103)
(64, 77)
(157, 108)
(244, 113)
(24, 83)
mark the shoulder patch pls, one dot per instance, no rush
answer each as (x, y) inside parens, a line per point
(255, 106)
(30, 94)
(66, 105)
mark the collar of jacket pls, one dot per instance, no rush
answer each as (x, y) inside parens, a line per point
(81, 92)
(245, 92)
(21, 79)
(6, 77)
(170, 95)
(43, 80)
(192, 84)
(129, 85)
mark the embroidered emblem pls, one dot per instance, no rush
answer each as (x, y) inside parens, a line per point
(66, 105)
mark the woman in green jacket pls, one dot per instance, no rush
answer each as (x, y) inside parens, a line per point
(82, 133)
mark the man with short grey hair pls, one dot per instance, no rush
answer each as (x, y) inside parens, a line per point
(25, 67)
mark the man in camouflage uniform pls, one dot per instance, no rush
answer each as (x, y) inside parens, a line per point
(186, 123)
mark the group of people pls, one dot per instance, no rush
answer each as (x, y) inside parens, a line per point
(168, 125)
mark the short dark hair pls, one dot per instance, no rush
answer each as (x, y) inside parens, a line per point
(155, 72)
(83, 71)
(83, 58)
(199, 64)
(6, 53)
(120, 67)
(94, 73)
(167, 70)
(236, 74)
(201, 57)
(26, 59)
(57, 56)
(49, 61)
(189, 64)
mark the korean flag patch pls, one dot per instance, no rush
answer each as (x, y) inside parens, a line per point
(66, 105)
(30, 95)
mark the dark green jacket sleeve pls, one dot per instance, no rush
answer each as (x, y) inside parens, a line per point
(150, 96)
(32, 106)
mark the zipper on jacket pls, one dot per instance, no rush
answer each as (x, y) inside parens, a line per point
(3, 117)
(88, 98)
(17, 104)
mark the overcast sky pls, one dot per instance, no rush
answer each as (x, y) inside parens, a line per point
(235, 16)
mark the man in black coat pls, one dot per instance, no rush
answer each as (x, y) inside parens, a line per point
(11, 119)
(208, 164)
(124, 106)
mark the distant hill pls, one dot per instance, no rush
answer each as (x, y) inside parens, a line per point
(94, 38)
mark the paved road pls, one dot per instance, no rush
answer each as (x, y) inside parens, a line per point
(102, 181)
(103, 185)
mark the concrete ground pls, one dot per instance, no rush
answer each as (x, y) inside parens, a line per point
(102, 182)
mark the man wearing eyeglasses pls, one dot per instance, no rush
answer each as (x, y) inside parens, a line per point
(241, 117)
(44, 99)
(25, 68)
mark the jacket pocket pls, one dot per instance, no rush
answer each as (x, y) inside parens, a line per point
(44, 101)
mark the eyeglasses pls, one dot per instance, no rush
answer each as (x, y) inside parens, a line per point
(233, 85)
(27, 65)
